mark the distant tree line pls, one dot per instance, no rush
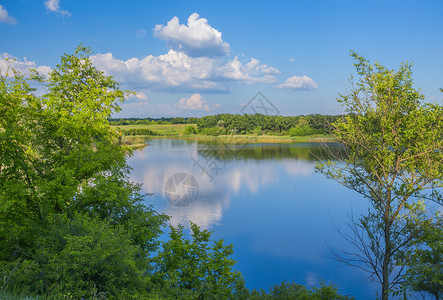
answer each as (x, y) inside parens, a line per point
(257, 124)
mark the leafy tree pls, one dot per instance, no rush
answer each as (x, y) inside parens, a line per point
(195, 268)
(62, 164)
(424, 259)
(394, 144)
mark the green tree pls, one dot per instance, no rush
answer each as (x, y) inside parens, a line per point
(394, 154)
(60, 160)
(196, 268)
(424, 259)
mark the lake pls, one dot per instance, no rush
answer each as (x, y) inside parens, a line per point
(265, 199)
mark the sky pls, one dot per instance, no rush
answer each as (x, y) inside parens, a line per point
(195, 58)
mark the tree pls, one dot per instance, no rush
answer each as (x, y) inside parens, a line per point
(197, 269)
(424, 259)
(394, 155)
(64, 184)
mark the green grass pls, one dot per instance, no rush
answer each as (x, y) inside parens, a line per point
(168, 129)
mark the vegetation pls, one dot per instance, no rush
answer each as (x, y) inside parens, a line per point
(424, 259)
(71, 223)
(394, 157)
(287, 290)
(190, 130)
(73, 226)
(229, 124)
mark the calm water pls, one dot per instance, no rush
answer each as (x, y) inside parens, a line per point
(267, 201)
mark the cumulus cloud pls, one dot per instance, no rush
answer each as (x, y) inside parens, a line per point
(195, 102)
(5, 17)
(249, 73)
(196, 39)
(174, 71)
(180, 69)
(298, 83)
(54, 6)
(178, 72)
(23, 66)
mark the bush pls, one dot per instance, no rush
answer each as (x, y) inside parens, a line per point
(301, 131)
(190, 130)
(292, 290)
(214, 131)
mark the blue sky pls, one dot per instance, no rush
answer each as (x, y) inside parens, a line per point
(193, 58)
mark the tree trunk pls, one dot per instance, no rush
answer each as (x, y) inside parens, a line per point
(386, 256)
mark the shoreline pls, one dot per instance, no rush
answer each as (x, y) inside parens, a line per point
(137, 142)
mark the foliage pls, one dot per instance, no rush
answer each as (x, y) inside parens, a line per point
(68, 213)
(301, 131)
(214, 131)
(196, 268)
(296, 291)
(424, 258)
(79, 256)
(243, 124)
(140, 131)
(190, 130)
(395, 145)
(257, 123)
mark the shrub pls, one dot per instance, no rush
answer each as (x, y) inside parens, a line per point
(190, 130)
(301, 131)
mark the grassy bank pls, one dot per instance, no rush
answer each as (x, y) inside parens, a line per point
(177, 131)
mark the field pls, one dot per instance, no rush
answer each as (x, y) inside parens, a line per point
(163, 130)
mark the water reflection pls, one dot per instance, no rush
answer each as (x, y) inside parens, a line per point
(266, 200)
(247, 170)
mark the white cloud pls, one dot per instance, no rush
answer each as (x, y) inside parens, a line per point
(249, 73)
(298, 83)
(176, 71)
(141, 96)
(195, 102)
(54, 6)
(5, 17)
(196, 39)
(23, 66)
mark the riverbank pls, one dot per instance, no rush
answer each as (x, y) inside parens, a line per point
(176, 131)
